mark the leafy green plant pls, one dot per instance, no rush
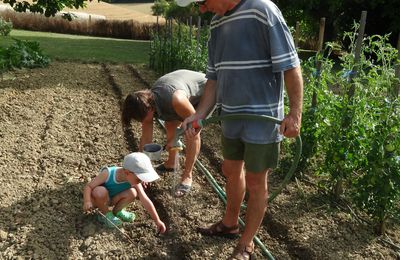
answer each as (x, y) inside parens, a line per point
(179, 48)
(354, 136)
(378, 185)
(48, 8)
(316, 118)
(22, 54)
(5, 27)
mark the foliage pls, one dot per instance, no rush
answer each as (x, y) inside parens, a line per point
(48, 8)
(314, 121)
(170, 10)
(382, 15)
(122, 29)
(379, 182)
(5, 27)
(349, 138)
(179, 46)
(22, 54)
(159, 7)
(356, 136)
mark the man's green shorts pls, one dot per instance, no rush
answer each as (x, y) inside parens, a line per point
(257, 157)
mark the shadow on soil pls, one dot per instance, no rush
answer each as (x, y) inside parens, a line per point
(46, 215)
(340, 230)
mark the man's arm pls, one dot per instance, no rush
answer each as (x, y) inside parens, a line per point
(207, 102)
(291, 124)
(208, 99)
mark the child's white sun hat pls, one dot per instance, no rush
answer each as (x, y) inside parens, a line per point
(140, 165)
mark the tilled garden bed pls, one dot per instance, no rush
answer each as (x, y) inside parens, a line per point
(60, 124)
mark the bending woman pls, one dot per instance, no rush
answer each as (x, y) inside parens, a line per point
(172, 98)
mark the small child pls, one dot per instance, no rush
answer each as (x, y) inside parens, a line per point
(119, 186)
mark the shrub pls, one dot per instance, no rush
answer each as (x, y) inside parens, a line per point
(5, 27)
(178, 46)
(22, 54)
(123, 29)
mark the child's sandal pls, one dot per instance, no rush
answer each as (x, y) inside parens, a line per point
(109, 220)
(126, 216)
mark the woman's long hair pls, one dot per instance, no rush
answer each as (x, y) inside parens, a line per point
(136, 106)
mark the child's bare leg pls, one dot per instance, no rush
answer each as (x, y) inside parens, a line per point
(100, 198)
(122, 199)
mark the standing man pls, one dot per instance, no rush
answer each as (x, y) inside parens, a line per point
(251, 56)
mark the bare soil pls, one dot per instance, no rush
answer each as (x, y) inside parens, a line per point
(60, 124)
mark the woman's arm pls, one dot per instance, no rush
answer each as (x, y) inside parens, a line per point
(147, 130)
(207, 103)
(182, 105)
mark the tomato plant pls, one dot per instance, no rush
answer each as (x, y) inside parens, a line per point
(356, 137)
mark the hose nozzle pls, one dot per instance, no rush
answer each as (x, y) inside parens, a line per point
(177, 144)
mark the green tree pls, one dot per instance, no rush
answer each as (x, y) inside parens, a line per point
(169, 9)
(382, 15)
(48, 8)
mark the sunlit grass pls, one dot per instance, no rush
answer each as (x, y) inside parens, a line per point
(84, 48)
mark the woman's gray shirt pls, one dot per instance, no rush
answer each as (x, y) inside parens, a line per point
(190, 82)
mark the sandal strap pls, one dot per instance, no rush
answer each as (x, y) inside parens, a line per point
(242, 252)
(219, 229)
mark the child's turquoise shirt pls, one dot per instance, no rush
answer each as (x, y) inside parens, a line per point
(112, 185)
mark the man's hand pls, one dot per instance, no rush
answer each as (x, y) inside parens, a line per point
(190, 132)
(290, 126)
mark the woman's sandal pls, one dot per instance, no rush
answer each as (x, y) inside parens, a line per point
(219, 229)
(243, 252)
(182, 190)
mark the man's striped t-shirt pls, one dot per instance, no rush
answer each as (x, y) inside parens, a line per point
(249, 49)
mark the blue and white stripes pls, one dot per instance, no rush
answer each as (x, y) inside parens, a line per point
(267, 109)
(249, 50)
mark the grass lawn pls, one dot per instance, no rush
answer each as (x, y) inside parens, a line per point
(84, 48)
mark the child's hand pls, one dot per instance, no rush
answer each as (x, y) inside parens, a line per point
(88, 207)
(145, 184)
(161, 227)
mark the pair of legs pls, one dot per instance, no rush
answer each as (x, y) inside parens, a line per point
(101, 199)
(258, 159)
(236, 183)
(191, 151)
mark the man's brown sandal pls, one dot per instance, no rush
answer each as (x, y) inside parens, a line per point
(242, 252)
(219, 229)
